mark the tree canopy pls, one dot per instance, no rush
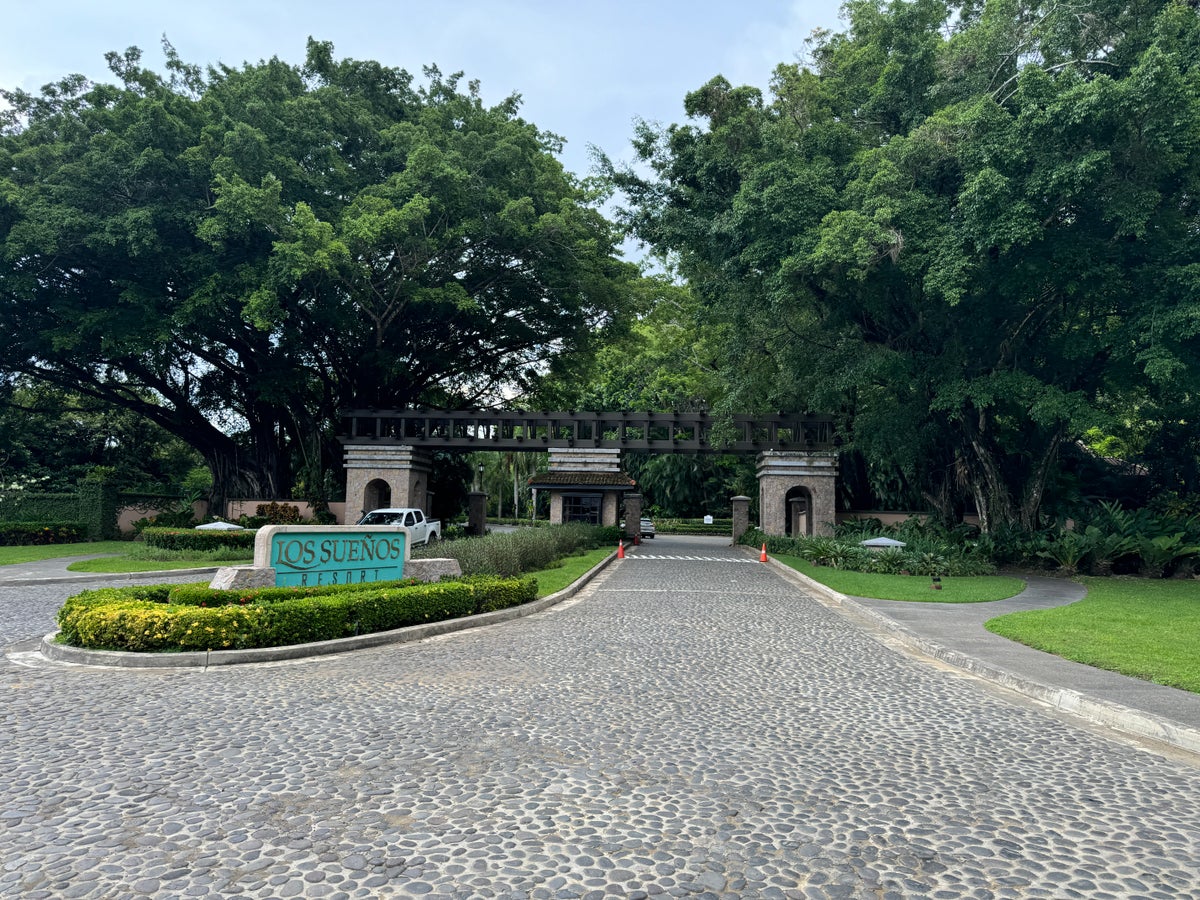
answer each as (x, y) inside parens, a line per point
(969, 229)
(236, 254)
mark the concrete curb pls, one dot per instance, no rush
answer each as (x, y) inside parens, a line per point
(124, 660)
(109, 578)
(1093, 709)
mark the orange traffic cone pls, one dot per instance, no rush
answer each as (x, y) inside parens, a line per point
(620, 549)
(762, 557)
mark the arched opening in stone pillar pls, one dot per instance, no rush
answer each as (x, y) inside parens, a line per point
(784, 476)
(798, 505)
(378, 494)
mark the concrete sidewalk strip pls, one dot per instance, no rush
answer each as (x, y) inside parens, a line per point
(1094, 709)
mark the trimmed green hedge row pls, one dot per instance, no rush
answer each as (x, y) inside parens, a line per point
(162, 618)
(24, 534)
(669, 527)
(201, 541)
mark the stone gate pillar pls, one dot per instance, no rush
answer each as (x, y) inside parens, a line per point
(477, 513)
(784, 471)
(741, 516)
(633, 515)
(394, 475)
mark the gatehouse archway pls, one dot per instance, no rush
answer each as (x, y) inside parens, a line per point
(377, 494)
(798, 520)
(786, 476)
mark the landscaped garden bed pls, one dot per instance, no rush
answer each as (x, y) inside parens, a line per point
(179, 618)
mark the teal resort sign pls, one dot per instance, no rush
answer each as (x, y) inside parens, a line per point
(317, 556)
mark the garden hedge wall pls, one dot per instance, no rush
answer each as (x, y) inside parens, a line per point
(202, 541)
(165, 618)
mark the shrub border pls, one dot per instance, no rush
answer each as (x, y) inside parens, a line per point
(129, 660)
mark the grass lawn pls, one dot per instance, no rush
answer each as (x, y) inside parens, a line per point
(131, 557)
(13, 555)
(1139, 627)
(978, 589)
(551, 581)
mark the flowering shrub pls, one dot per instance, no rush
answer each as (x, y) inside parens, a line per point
(13, 534)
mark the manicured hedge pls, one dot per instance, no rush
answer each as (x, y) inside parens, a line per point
(161, 618)
(720, 528)
(203, 595)
(202, 541)
(22, 534)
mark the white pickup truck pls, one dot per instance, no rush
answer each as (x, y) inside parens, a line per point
(420, 529)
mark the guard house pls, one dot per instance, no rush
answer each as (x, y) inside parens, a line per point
(585, 485)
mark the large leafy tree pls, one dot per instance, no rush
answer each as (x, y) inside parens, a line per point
(969, 229)
(54, 440)
(237, 254)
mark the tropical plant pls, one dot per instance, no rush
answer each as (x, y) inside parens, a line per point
(890, 561)
(929, 564)
(1159, 553)
(1068, 550)
(1107, 548)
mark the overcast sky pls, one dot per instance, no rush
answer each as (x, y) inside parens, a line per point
(585, 70)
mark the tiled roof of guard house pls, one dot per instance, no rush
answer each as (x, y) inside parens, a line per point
(564, 479)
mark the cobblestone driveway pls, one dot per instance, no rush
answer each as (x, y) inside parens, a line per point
(693, 728)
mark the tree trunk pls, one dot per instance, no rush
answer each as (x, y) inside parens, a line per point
(991, 491)
(995, 493)
(1035, 487)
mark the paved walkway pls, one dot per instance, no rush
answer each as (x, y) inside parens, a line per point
(684, 727)
(958, 628)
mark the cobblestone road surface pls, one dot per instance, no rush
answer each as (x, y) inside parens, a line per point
(686, 727)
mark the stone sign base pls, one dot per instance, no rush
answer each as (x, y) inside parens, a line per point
(235, 578)
(241, 577)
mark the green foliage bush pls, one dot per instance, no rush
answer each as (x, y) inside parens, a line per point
(161, 618)
(21, 506)
(168, 518)
(719, 527)
(278, 513)
(1105, 539)
(928, 552)
(22, 534)
(200, 541)
(524, 550)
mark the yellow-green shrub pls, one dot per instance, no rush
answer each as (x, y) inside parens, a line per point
(144, 619)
